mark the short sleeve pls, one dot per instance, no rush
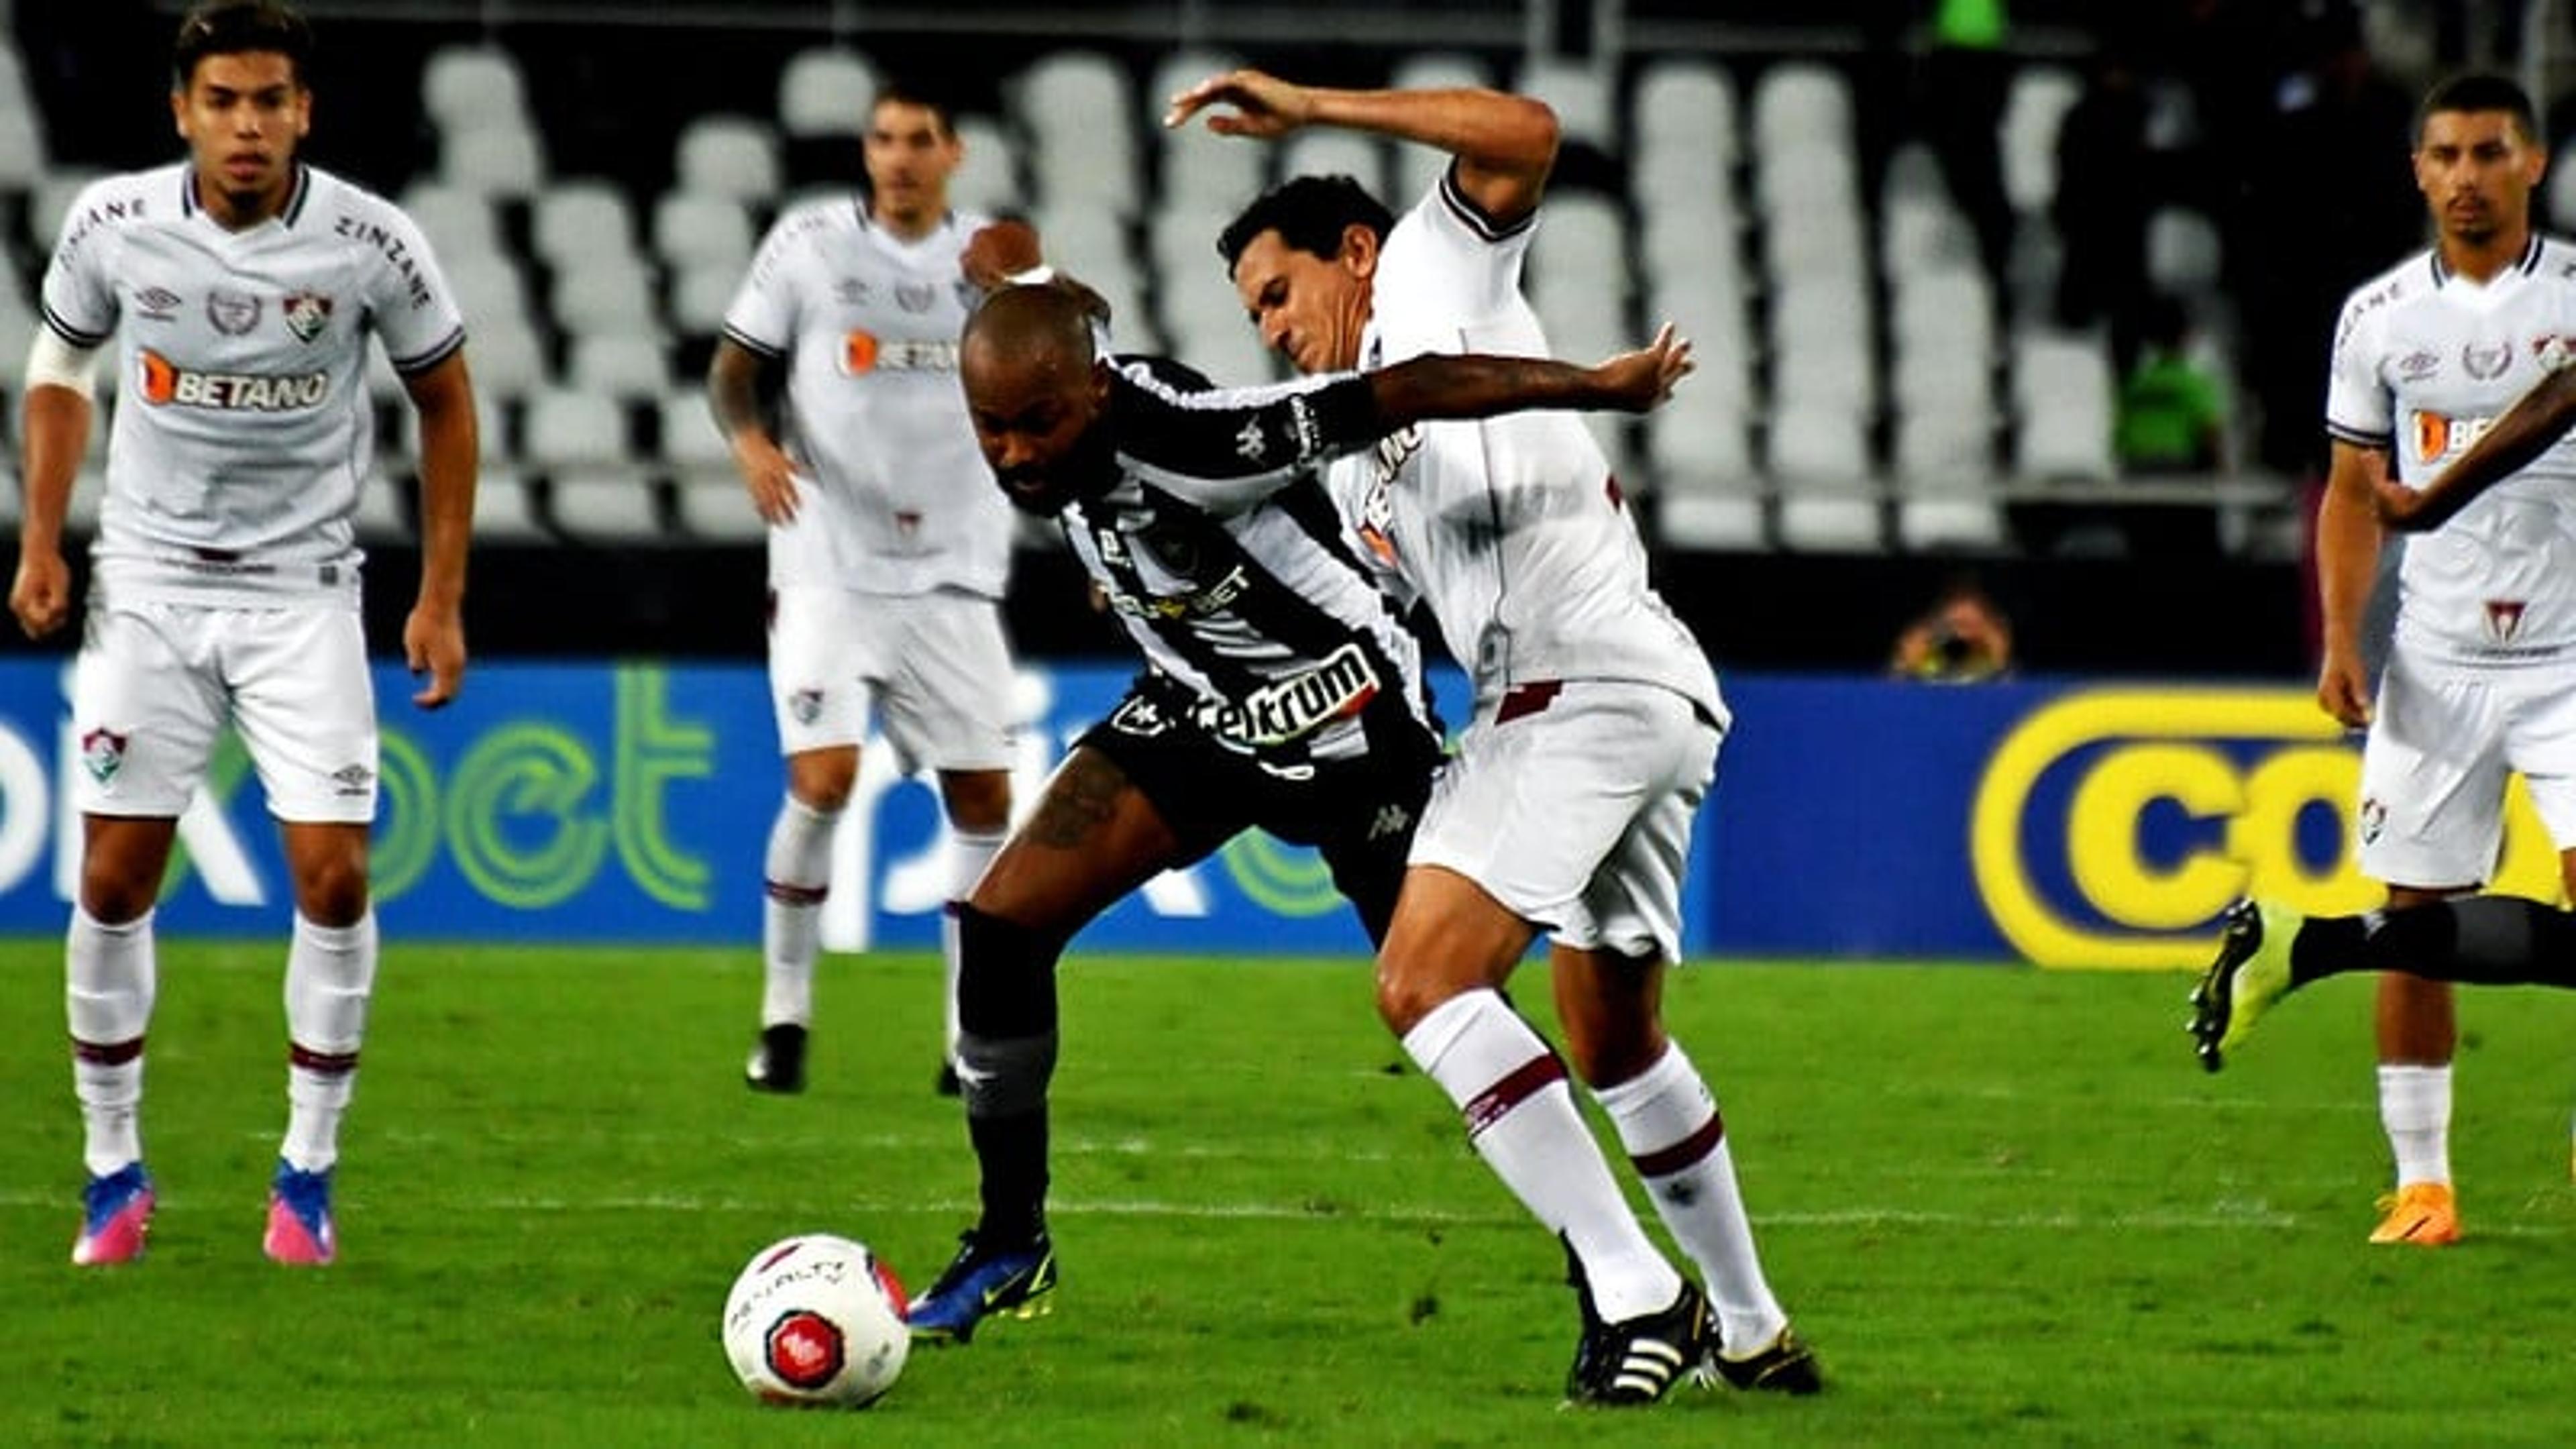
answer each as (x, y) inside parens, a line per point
(79, 298)
(2359, 409)
(762, 314)
(1447, 265)
(409, 301)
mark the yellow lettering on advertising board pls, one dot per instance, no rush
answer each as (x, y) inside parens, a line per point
(2143, 749)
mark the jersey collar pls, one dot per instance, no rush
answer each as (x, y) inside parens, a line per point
(2529, 264)
(296, 193)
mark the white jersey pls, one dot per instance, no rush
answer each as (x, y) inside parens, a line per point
(2424, 361)
(898, 498)
(1511, 528)
(242, 429)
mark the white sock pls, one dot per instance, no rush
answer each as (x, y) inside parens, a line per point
(970, 852)
(109, 977)
(1522, 1119)
(330, 978)
(2415, 1108)
(798, 870)
(1670, 1125)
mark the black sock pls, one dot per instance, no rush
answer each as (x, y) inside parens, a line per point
(1012, 1152)
(2478, 941)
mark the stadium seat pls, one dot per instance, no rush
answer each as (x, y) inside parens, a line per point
(50, 199)
(1580, 93)
(988, 179)
(507, 358)
(714, 508)
(491, 427)
(22, 148)
(731, 156)
(500, 160)
(1202, 171)
(1949, 523)
(1829, 502)
(464, 87)
(699, 294)
(573, 223)
(573, 430)
(1725, 522)
(691, 445)
(2034, 110)
(1797, 101)
(693, 228)
(1684, 105)
(605, 296)
(1325, 152)
(611, 506)
(488, 286)
(1418, 168)
(458, 223)
(825, 91)
(383, 514)
(618, 364)
(1095, 162)
(505, 510)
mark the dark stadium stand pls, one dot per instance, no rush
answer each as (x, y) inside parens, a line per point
(1874, 408)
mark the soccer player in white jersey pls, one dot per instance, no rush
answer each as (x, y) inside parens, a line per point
(2481, 672)
(238, 290)
(1280, 690)
(1569, 804)
(889, 548)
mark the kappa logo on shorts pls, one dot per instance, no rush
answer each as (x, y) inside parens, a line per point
(805, 705)
(1391, 820)
(103, 754)
(353, 779)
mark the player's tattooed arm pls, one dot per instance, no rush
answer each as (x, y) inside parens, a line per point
(736, 383)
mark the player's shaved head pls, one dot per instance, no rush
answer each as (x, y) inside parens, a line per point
(1037, 390)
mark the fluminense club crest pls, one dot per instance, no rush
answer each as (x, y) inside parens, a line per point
(102, 753)
(307, 315)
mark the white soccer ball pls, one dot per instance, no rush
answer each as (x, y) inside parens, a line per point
(816, 1320)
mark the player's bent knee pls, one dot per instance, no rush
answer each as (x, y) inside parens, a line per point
(1005, 977)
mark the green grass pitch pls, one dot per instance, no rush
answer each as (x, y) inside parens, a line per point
(2006, 1206)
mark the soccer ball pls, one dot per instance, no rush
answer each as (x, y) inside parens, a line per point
(816, 1320)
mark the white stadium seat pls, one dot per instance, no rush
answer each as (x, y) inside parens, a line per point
(728, 156)
(826, 91)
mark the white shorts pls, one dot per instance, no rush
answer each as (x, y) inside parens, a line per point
(2434, 766)
(155, 682)
(1577, 815)
(932, 668)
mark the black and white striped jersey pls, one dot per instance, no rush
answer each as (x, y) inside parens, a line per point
(1227, 563)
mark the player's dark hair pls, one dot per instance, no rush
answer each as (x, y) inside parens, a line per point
(240, 27)
(2480, 91)
(914, 91)
(1310, 213)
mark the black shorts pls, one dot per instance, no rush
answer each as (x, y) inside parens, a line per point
(1358, 813)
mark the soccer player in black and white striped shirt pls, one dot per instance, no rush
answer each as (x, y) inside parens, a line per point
(1281, 690)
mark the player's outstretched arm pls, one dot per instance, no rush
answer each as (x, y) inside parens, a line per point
(2533, 425)
(55, 430)
(1437, 386)
(450, 444)
(1505, 144)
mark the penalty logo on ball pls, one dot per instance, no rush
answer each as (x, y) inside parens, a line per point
(806, 1349)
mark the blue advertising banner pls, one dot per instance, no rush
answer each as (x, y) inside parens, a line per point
(2057, 822)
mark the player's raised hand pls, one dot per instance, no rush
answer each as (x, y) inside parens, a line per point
(767, 476)
(1248, 102)
(1638, 381)
(999, 252)
(434, 644)
(41, 595)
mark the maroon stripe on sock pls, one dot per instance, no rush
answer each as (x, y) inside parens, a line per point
(1667, 1161)
(107, 1054)
(1517, 1086)
(327, 1063)
(797, 895)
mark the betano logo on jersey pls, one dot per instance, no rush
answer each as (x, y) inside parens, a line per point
(863, 352)
(166, 384)
(2439, 437)
(2110, 825)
